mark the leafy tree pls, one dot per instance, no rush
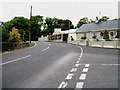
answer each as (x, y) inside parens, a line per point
(92, 21)
(106, 35)
(14, 36)
(104, 18)
(18, 22)
(51, 23)
(37, 23)
(82, 21)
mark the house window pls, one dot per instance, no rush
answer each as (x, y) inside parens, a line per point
(118, 34)
(84, 34)
(94, 35)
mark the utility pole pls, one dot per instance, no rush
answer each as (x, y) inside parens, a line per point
(99, 14)
(30, 24)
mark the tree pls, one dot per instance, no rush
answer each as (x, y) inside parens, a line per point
(82, 21)
(37, 23)
(92, 21)
(106, 35)
(15, 37)
(20, 23)
(104, 18)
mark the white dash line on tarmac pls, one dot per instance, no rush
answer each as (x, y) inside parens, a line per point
(82, 76)
(73, 69)
(69, 76)
(79, 59)
(87, 65)
(85, 70)
(46, 48)
(63, 85)
(77, 65)
(77, 62)
(79, 85)
(15, 60)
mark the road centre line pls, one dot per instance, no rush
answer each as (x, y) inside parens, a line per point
(87, 65)
(46, 48)
(69, 76)
(15, 60)
(63, 85)
(73, 69)
(78, 62)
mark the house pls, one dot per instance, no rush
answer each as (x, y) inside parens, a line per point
(63, 36)
(95, 31)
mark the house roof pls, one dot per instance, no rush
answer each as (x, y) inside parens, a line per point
(109, 25)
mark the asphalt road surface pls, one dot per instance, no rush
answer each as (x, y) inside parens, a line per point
(60, 65)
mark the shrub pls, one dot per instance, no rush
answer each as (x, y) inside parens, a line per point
(83, 37)
(106, 35)
(94, 37)
(101, 33)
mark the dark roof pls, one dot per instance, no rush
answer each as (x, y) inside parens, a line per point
(109, 25)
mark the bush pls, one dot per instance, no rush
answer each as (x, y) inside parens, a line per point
(83, 37)
(106, 35)
(7, 46)
(94, 37)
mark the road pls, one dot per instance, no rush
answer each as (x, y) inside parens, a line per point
(60, 65)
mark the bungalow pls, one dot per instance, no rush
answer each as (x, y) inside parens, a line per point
(95, 31)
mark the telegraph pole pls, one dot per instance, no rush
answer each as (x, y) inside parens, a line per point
(30, 24)
(99, 14)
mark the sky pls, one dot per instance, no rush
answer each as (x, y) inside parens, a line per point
(64, 9)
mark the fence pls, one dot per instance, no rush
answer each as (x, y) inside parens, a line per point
(102, 43)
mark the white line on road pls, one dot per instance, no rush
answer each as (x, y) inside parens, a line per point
(79, 85)
(63, 85)
(77, 65)
(15, 60)
(82, 77)
(69, 76)
(77, 61)
(73, 69)
(87, 65)
(85, 70)
(46, 48)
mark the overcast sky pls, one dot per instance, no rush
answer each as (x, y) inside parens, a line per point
(72, 9)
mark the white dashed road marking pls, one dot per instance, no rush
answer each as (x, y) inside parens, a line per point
(63, 85)
(69, 76)
(85, 70)
(15, 60)
(77, 65)
(46, 48)
(79, 59)
(79, 85)
(87, 65)
(82, 77)
(77, 62)
(73, 69)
